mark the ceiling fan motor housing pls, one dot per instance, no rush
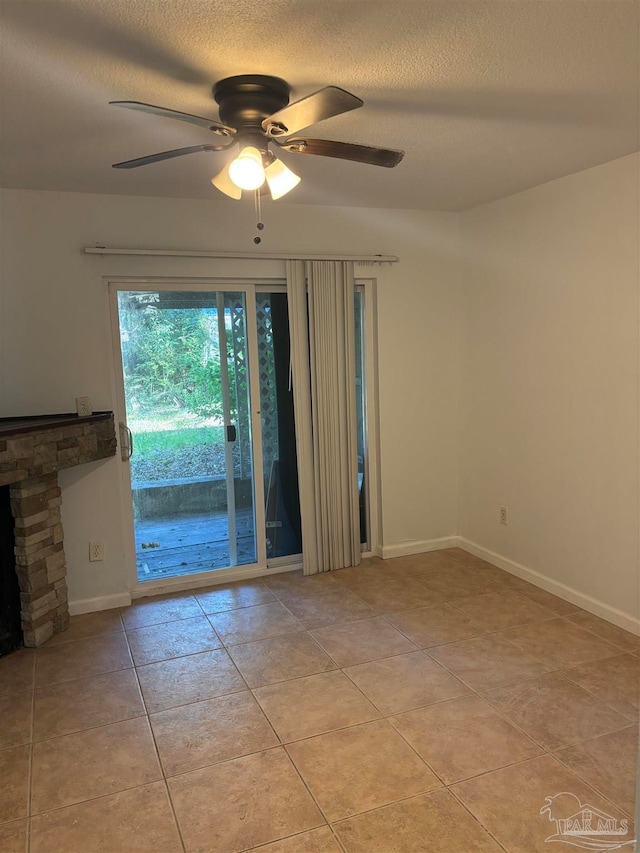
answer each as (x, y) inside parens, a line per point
(247, 100)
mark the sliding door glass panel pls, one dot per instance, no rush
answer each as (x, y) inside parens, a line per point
(187, 397)
(282, 508)
(361, 415)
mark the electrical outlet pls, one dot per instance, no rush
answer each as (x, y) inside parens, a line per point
(96, 551)
(504, 515)
(83, 406)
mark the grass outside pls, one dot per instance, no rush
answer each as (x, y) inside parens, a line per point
(172, 440)
(172, 444)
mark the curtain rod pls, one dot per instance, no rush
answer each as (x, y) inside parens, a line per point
(259, 256)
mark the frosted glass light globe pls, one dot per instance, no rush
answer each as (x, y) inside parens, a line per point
(281, 179)
(246, 171)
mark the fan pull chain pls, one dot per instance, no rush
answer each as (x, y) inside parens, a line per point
(259, 223)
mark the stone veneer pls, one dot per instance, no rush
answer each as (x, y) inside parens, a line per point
(32, 451)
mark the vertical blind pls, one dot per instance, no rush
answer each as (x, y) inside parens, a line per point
(322, 333)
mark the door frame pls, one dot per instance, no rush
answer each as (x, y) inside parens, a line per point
(138, 588)
(255, 283)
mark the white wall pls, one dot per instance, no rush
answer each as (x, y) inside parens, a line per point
(55, 339)
(550, 382)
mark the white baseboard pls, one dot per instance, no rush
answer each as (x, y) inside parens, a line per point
(417, 546)
(598, 608)
(103, 602)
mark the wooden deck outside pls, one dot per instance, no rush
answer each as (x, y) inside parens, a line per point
(186, 545)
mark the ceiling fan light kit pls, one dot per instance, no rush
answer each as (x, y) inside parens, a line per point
(255, 114)
(249, 171)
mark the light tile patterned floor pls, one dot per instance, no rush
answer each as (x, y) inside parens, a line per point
(427, 704)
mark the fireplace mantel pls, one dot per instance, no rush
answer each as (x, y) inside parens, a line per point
(32, 451)
(45, 444)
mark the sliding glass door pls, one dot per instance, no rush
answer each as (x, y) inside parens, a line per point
(195, 485)
(208, 431)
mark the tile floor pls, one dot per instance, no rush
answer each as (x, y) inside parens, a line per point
(428, 703)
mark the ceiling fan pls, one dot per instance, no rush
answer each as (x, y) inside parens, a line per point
(255, 114)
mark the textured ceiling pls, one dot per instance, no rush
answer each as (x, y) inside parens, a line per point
(486, 98)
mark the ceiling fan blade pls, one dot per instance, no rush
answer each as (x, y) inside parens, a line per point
(222, 181)
(325, 103)
(210, 124)
(167, 155)
(388, 157)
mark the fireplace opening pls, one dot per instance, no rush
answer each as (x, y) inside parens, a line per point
(10, 621)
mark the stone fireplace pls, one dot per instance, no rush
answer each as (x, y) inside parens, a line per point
(32, 451)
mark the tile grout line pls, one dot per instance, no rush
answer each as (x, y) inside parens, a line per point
(90, 728)
(30, 781)
(157, 753)
(337, 838)
(441, 789)
(561, 673)
(133, 787)
(500, 714)
(287, 837)
(478, 821)
(61, 643)
(492, 632)
(566, 674)
(306, 786)
(480, 692)
(559, 669)
(96, 798)
(604, 796)
(99, 725)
